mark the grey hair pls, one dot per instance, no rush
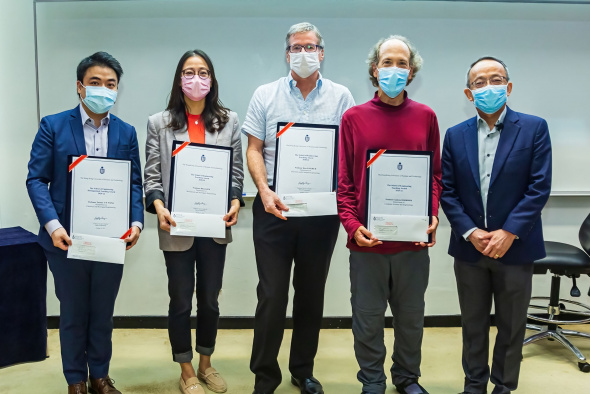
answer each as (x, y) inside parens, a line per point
(373, 59)
(486, 58)
(304, 27)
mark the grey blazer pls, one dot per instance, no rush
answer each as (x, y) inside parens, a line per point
(158, 155)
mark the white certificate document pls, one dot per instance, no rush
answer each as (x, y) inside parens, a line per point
(310, 204)
(198, 225)
(99, 197)
(200, 183)
(305, 169)
(399, 195)
(96, 248)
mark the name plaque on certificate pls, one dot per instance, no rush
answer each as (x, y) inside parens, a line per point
(200, 187)
(98, 207)
(305, 168)
(399, 195)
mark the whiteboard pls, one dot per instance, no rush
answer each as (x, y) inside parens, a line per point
(544, 45)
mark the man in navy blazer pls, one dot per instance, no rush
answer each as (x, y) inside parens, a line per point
(86, 289)
(496, 180)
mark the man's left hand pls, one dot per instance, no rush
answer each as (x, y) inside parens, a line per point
(133, 237)
(500, 242)
(431, 230)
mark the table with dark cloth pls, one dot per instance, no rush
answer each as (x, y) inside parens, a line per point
(23, 290)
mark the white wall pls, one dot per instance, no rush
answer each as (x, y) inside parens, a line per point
(143, 291)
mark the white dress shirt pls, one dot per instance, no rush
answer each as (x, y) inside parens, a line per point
(97, 141)
(95, 138)
(487, 143)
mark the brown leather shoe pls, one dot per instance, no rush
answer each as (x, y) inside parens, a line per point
(103, 386)
(77, 388)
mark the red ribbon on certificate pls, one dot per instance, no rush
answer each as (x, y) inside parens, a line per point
(128, 233)
(282, 131)
(379, 153)
(181, 147)
(75, 163)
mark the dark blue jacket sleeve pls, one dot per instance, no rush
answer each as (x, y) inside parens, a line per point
(41, 172)
(522, 218)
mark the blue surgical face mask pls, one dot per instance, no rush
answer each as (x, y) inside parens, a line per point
(393, 80)
(491, 98)
(99, 99)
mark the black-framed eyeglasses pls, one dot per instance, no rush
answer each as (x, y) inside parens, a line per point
(496, 80)
(307, 47)
(190, 73)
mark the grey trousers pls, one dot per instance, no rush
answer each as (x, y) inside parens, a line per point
(378, 279)
(510, 287)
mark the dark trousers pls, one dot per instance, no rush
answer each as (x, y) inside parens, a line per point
(86, 291)
(309, 241)
(399, 280)
(510, 288)
(207, 257)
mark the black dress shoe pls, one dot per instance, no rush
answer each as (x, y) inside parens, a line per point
(403, 388)
(308, 385)
(260, 392)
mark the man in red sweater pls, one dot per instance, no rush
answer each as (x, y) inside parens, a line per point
(386, 272)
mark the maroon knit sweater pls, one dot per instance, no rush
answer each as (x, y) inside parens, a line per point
(376, 125)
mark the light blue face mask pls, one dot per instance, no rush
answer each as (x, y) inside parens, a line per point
(393, 80)
(99, 99)
(491, 98)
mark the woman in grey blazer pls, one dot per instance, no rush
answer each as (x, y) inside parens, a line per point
(194, 114)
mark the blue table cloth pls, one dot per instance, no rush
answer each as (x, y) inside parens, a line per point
(23, 290)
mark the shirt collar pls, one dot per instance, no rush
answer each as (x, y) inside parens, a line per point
(293, 83)
(85, 118)
(500, 119)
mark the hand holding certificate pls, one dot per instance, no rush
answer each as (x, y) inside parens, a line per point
(200, 183)
(399, 195)
(305, 168)
(95, 248)
(99, 195)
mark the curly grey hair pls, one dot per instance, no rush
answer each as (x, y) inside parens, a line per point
(304, 27)
(373, 59)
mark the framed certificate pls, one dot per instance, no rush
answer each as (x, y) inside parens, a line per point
(98, 207)
(305, 168)
(200, 189)
(399, 195)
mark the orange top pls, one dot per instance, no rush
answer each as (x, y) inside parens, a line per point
(196, 129)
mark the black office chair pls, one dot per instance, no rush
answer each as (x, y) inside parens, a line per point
(563, 260)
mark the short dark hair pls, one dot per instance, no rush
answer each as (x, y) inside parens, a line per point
(487, 58)
(102, 59)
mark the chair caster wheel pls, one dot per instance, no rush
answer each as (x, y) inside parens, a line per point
(584, 367)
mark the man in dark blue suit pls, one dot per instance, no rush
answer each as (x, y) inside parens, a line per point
(496, 180)
(86, 289)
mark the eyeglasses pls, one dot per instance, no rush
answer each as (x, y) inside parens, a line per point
(308, 48)
(497, 80)
(190, 73)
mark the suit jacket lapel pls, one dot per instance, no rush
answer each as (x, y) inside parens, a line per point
(78, 130)
(113, 137)
(471, 146)
(181, 134)
(507, 137)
